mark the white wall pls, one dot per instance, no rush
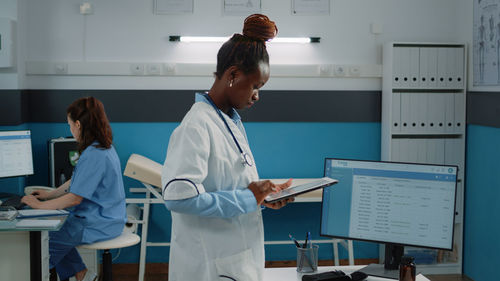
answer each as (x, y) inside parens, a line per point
(13, 78)
(128, 31)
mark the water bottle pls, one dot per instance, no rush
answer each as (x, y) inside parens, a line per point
(62, 178)
(407, 269)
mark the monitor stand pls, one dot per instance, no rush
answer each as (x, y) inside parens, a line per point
(378, 270)
(390, 268)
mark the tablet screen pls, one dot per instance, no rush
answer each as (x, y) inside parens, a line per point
(300, 189)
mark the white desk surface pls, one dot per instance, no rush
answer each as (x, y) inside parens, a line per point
(291, 274)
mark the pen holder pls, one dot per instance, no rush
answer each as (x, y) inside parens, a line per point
(307, 259)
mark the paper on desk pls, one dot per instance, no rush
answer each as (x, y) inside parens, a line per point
(37, 223)
(420, 277)
(31, 213)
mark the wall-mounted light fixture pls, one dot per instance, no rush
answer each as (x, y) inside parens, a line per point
(303, 40)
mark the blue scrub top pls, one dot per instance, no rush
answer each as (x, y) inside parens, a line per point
(97, 178)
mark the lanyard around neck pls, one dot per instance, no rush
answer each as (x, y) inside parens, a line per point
(219, 112)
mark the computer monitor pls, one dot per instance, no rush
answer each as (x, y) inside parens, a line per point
(394, 203)
(16, 157)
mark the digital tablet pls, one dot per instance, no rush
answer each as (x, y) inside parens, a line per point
(299, 189)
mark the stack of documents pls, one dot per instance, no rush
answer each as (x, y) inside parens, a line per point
(37, 223)
(35, 213)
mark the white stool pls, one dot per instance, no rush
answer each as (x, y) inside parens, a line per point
(126, 239)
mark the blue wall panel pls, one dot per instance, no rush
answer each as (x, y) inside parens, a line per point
(281, 150)
(482, 225)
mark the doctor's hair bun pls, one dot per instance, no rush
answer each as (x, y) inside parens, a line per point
(248, 50)
(259, 27)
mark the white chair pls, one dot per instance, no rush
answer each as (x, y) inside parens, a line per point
(29, 189)
(126, 239)
(148, 172)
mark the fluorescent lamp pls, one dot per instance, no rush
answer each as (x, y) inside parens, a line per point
(300, 40)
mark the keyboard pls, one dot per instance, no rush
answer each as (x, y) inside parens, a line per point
(335, 275)
(13, 201)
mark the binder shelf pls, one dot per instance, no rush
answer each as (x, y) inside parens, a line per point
(423, 118)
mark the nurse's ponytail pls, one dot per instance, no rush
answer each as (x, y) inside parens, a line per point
(94, 124)
(246, 51)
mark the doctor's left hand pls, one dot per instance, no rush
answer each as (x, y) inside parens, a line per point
(31, 201)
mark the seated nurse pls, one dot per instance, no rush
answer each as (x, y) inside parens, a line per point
(94, 195)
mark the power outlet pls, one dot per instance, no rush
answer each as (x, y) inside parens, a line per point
(61, 68)
(169, 69)
(325, 70)
(153, 69)
(354, 70)
(340, 70)
(137, 69)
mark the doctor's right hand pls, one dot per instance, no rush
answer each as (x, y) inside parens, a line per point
(263, 188)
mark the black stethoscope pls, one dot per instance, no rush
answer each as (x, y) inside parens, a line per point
(247, 160)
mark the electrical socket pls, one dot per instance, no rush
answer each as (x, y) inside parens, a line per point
(325, 70)
(169, 68)
(153, 69)
(137, 69)
(61, 68)
(354, 70)
(340, 70)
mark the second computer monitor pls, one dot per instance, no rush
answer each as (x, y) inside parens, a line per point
(16, 158)
(388, 202)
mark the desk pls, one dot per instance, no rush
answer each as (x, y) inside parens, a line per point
(290, 273)
(24, 252)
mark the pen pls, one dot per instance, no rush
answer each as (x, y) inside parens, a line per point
(307, 238)
(294, 240)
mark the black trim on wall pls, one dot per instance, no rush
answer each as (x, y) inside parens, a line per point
(13, 105)
(120, 105)
(172, 105)
(315, 106)
(483, 108)
(22, 106)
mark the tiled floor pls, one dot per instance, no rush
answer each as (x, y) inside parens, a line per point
(450, 277)
(163, 277)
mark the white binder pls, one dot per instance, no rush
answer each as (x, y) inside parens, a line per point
(414, 126)
(423, 112)
(432, 67)
(412, 150)
(421, 150)
(396, 112)
(435, 151)
(404, 153)
(441, 68)
(449, 112)
(459, 113)
(436, 105)
(451, 68)
(405, 68)
(396, 68)
(405, 113)
(460, 74)
(450, 152)
(395, 150)
(428, 67)
(414, 67)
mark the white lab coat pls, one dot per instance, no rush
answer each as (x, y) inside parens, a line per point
(203, 157)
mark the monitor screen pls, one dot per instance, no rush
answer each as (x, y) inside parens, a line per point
(389, 202)
(16, 158)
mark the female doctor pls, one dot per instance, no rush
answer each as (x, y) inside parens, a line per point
(95, 193)
(210, 182)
